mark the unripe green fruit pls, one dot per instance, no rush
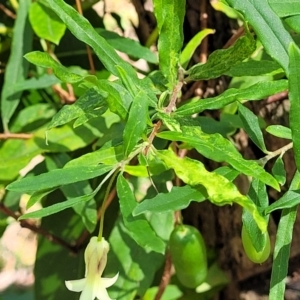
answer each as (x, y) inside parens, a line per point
(253, 255)
(188, 252)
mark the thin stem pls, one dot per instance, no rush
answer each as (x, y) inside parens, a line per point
(103, 207)
(9, 135)
(275, 153)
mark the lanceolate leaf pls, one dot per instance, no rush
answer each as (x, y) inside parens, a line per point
(285, 8)
(220, 61)
(170, 16)
(278, 171)
(139, 227)
(256, 91)
(17, 66)
(220, 190)
(294, 96)
(56, 178)
(251, 126)
(217, 148)
(136, 124)
(268, 28)
(280, 131)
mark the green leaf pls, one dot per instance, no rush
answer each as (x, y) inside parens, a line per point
(44, 60)
(251, 126)
(55, 208)
(90, 105)
(192, 45)
(38, 196)
(136, 266)
(285, 8)
(220, 61)
(219, 190)
(294, 96)
(139, 227)
(280, 131)
(256, 91)
(217, 148)
(136, 124)
(293, 22)
(178, 198)
(268, 27)
(45, 23)
(58, 177)
(16, 68)
(254, 68)
(278, 171)
(128, 46)
(169, 15)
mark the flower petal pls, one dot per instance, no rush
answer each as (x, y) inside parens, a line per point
(102, 293)
(76, 285)
(107, 282)
(89, 292)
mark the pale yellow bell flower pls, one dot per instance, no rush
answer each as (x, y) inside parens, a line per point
(93, 285)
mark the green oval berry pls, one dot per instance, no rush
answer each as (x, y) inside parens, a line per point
(188, 252)
(253, 255)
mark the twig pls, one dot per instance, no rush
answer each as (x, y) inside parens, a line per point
(165, 277)
(275, 153)
(277, 97)
(234, 37)
(9, 135)
(36, 229)
(7, 11)
(172, 103)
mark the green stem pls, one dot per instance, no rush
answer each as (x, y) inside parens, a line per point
(103, 208)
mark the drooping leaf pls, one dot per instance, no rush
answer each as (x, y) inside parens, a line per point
(285, 8)
(280, 131)
(256, 91)
(90, 105)
(278, 171)
(45, 23)
(218, 189)
(17, 66)
(294, 96)
(139, 227)
(251, 126)
(169, 15)
(218, 148)
(220, 61)
(268, 27)
(56, 178)
(44, 60)
(136, 124)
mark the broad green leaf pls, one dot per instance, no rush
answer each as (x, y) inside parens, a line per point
(281, 254)
(178, 198)
(136, 124)
(267, 26)
(256, 91)
(44, 60)
(217, 148)
(220, 61)
(254, 68)
(58, 177)
(128, 46)
(57, 207)
(17, 66)
(45, 23)
(139, 227)
(218, 189)
(42, 82)
(192, 45)
(251, 126)
(294, 96)
(289, 200)
(280, 131)
(170, 16)
(284, 8)
(258, 194)
(136, 266)
(90, 105)
(278, 171)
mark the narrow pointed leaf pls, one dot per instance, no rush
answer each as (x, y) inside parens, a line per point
(280, 131)
(256, 91)
(268, 27)
(284, 8)
(251, 126)
(139, 227)
(218, 148)
(278, 171)
(294, 96)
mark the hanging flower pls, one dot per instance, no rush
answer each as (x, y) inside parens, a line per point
(93, 285)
